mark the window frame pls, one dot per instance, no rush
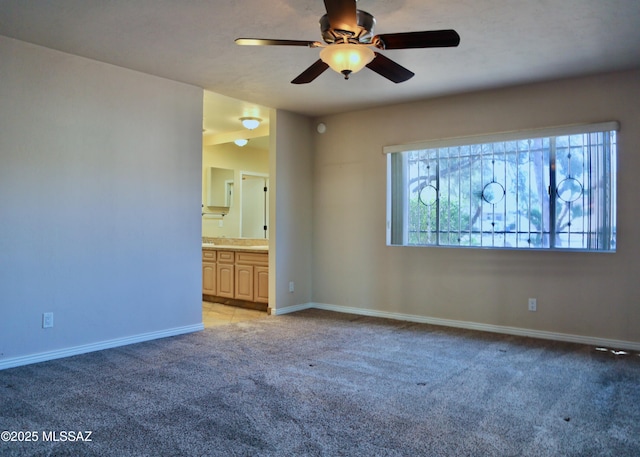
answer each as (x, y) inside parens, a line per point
(395, 212)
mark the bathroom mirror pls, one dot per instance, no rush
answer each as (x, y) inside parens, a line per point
(235, 204)
(220, 182)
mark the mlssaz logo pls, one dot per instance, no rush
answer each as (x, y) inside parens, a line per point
(67, 435)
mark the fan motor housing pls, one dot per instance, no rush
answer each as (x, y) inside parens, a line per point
(366, 23)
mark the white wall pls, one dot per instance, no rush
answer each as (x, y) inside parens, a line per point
(290, 210)
(100, 181)
(594, 295)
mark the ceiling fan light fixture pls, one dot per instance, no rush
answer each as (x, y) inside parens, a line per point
(347, 58)
(241, 142)
(250, 122)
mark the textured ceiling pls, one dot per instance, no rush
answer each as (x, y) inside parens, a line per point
(502, 43)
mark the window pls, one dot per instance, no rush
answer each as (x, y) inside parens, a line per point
(543, 189)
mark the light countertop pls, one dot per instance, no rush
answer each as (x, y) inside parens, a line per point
(230, 247)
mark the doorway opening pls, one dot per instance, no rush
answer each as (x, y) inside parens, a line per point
(235, 210)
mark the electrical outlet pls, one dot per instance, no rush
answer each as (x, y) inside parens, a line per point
(291, 286)
(47, 320)
(533, 304)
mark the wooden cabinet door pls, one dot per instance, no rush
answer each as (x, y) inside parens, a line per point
(244, 282)
(224, 279)
(261, 284)
(209, 278)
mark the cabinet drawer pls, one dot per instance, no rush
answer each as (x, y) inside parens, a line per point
(208, 256)
(226, 256)
(252, 258)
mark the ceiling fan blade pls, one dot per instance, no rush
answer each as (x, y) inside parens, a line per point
(427, 39)
(269, 42)
(311, 73)
(389, 69)
(342, 14)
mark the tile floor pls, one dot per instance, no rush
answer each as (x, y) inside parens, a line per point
(217, 314)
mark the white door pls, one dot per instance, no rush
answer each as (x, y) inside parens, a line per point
(255, 201)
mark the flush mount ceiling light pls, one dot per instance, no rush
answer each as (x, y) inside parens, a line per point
(346, 58)
(241, 142)
(250, 122)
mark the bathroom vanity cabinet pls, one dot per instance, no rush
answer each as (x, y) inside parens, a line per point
(236, 274)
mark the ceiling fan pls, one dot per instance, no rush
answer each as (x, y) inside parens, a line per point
(348, 34)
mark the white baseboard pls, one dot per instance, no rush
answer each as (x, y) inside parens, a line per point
(76, 350)
(291, 309)
(516, 331)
